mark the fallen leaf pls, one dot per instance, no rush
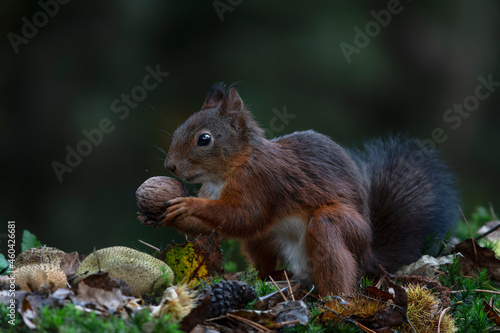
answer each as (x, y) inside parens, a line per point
(425, 266)
(111, 300)
(102, 280)
(291, 311)
(62, 294)
(374, 292)
(69, 263)
(197, 315)
(485, 259)
(391, 315)
(196, 260)
(492, 314)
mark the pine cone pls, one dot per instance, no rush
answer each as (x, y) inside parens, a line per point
(229, 295)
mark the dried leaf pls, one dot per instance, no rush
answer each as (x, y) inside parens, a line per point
(111, 301)
(374, 292)
(69, 263)
(30, 305)
(485, 259)
(197, 315)
(196, 260)
(291, 311)
(426, 266)
(492, 314)
(62, 294)
(103, 281)
(391, 315)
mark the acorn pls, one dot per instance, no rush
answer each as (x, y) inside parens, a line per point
(155, 191)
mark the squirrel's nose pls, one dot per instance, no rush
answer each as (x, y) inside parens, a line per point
(170, 166)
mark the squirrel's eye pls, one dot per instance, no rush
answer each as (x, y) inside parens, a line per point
(204, 139)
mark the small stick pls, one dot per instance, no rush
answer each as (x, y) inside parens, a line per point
(493, 215)
(272, 294)
(284, 323)
(477, 290)
(492, 212)
(487, 232)
(282, 295)
(151, 246)
(289, 286)
(441, 317)
(310, 291)
(347, 319)
(470, 231)
(249, 322)
(364, 328)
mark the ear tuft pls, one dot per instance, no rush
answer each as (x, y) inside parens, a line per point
(233, 85)
(214, 97)
(232, 100)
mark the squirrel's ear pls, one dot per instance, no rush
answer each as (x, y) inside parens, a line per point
(232, 101)
(231, 106)
(214, 97)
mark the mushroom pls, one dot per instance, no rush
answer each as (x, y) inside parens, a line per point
(142, 272)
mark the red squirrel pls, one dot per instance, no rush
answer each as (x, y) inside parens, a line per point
(329, 214)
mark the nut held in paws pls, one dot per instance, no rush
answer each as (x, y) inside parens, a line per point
(155, 191)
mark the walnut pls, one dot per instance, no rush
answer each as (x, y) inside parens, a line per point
(155, 191)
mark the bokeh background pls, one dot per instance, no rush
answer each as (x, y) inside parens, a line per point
(65, 78)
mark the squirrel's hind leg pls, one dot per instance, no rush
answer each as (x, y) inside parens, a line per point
(262, 254)
(331, 237)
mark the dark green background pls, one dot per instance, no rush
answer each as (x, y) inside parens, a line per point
(284, 53)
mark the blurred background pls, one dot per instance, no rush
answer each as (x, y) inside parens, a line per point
(354, 71)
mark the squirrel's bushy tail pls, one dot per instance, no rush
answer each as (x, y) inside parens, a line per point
(412, 197)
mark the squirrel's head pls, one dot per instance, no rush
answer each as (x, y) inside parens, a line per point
(215, 139)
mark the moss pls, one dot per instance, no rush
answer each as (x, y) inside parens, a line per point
(70, 319)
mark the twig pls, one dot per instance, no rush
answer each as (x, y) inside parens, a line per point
(272, 294)
(364, 328)
(381, 301)
(42, 253)
(411, 325)
(441, 317)
(248, 322)
(282, 295)
(310, 291)
(284, 323)
(289, 286)
(151, 246)
(471, 236)
(493, 215)
(335, 313)
(488, 232)
(492, 212)
(477, 290)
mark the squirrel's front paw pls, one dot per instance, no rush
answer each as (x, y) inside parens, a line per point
(177, 209)
(146, 220)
